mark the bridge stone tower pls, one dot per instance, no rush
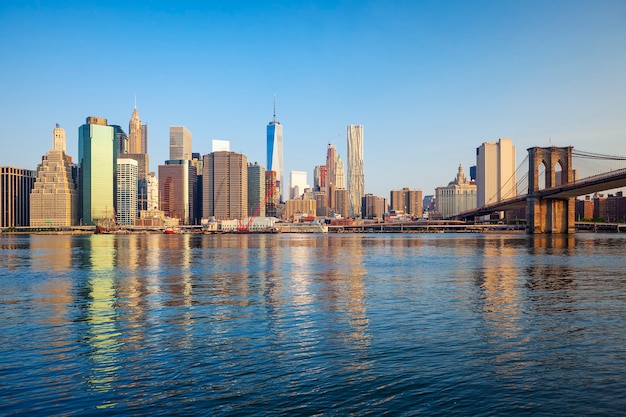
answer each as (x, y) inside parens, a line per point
(545, 214)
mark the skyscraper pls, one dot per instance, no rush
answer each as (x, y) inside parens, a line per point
(127, 178)
(356, 173)
(137, 149)
(331, 166)
(180, 143)
(225, 186)
(495, 172)
(135, 133)
(54, 198)
(275, 153)
(96, 164)
(340, 176)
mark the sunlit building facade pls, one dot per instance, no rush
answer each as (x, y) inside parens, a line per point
(177, 190)
(458, 196)
(225, 186)
(180, 143)
(495, 172)
(275, 154)
(407, 201)
(54, 197)
(356, 173)
(96, 164)
(126, 190)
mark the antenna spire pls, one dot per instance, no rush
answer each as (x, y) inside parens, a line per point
(274, 108)
(135, 101)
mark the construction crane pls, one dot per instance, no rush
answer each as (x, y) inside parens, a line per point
(246, 227)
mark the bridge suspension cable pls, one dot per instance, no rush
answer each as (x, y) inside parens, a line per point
(591, 155)
(506, 190)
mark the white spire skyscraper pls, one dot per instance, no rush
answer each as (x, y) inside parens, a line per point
(275, 152)
(356, 173)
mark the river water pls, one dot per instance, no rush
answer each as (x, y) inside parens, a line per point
(290, 324)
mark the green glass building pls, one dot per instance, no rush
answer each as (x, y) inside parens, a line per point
(96, 164)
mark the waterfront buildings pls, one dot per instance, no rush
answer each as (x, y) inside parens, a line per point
(177, 190)
(275, 153)
(225, 186)
(458, 196)
(495, 172)
(356, 173)
(54, 197)
(180, 143)
(407, 201)
(15, 187)
(96, 165)
(126, 191)
(256, 190)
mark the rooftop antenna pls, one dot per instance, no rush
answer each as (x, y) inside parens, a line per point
(274, 108)
(135, 101)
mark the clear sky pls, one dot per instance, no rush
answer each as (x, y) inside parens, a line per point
(429, 80)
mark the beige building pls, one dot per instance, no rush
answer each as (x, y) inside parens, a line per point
(458, 196)
(495, 172)
(297, 209)
(407, 201)
(54, 197)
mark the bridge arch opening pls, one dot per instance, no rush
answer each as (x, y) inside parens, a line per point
(558, 174)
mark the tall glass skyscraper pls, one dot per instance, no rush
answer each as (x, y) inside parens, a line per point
(275, 153)
(356, 173)
(96, 164)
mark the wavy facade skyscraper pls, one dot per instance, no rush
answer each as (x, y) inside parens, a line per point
(356, 172)
(275, 153)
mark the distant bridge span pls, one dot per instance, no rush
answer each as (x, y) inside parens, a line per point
(551, 209)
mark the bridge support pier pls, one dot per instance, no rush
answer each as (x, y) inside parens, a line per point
(550, 215)
(544, 214)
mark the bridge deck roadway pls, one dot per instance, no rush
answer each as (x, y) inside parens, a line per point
(590, 185)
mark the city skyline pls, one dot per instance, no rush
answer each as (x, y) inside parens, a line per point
(429, 81)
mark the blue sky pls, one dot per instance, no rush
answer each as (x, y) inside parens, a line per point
(429, 80)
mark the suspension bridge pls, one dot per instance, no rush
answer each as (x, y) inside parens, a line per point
(547, 183)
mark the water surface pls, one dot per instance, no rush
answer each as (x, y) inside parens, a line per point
(365, 324)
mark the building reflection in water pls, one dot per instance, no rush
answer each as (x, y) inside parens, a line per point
(502, 302)
(103, 335)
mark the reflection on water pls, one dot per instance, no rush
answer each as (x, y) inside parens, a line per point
(313, 324)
